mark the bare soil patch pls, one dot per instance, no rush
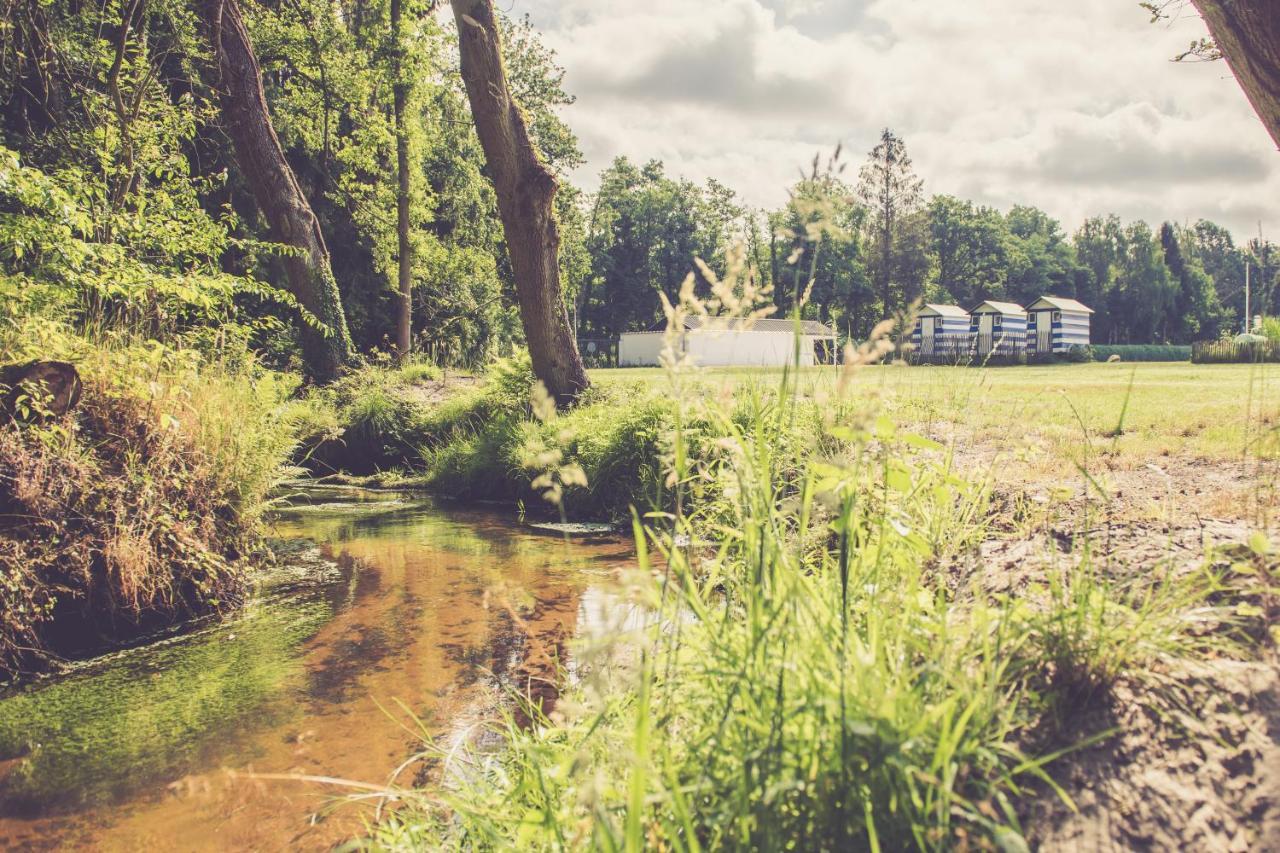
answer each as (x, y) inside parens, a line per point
(1199, 774)
(1194, 765)
(431, 392)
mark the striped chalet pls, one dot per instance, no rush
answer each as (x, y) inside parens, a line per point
(941, 329)
(998, 328)
(1057, 325)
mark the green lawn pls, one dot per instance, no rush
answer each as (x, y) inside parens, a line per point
(1214, 412)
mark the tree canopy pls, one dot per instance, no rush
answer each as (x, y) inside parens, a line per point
(122, 201)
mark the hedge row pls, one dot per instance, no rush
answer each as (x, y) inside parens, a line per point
(1141, 352)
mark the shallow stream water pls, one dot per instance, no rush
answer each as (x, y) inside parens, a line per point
(390, 612)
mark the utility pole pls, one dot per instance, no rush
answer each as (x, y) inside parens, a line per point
(1246, 297)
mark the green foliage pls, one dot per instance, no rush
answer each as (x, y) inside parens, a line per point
(970, 245)
(419, 372)
(59, 260)
(364, 423)
(106, 217)
(646, 229)
(1270, 328)
(490, 445)
(135, 510)
(895, 224)
(1196, 314)
(1140, 352)
(330, 80)
(817, 248)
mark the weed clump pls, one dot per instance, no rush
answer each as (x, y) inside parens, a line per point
(483, 440)
(134, 511)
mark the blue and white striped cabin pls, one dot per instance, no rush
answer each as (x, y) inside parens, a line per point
(999, 327)
(940, 329)
(1056, 325)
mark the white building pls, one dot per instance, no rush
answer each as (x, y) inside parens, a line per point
(721, 342)
(941, 328)
(998, 327)
(1057, 325)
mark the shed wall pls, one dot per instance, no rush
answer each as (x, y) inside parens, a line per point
(731, 348)
(1071, 330)
(718, 348)
(640, 349)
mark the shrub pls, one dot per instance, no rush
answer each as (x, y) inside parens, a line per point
(134, 511)
(362, 424)
(1140, 352)
(1270, 328)
(1079, 354)
(420, 372)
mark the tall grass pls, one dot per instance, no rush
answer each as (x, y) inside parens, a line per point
(136, 509)
(805, 676)
(814, 672)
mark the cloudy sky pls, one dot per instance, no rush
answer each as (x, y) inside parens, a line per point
(1071, 105)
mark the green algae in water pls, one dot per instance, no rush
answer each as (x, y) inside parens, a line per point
(147, 715)
(129, 723)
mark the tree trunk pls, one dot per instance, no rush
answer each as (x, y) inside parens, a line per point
(49, 388)
(526, 191)
(260, 158)
(404, 315)
(1248, 34)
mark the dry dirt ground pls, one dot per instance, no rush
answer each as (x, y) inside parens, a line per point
(1189, 755)
(431, 392)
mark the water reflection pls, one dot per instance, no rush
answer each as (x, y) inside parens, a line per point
(443, 610)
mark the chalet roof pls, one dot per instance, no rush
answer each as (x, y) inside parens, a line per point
(994, 307)
(811, 328)
(1061, 304)
(933, 309)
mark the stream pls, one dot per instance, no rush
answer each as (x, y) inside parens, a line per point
(389, 613)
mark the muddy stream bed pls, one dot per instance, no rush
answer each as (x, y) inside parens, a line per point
(386, 611)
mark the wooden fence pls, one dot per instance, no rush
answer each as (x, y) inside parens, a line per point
(970, 348)
(1230, 352)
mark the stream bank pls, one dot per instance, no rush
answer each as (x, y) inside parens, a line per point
(388, 616)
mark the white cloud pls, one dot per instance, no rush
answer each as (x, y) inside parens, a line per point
(1073, 107)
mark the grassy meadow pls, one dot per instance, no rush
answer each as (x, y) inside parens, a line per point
(1041, 426)
(853, 640)
(1168, 408)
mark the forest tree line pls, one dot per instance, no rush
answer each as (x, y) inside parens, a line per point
(893, 247)
(122, 200)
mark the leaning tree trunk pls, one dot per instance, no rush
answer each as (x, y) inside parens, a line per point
(400, 98)
(325, 350)
(526, 190)
(1248, 34)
